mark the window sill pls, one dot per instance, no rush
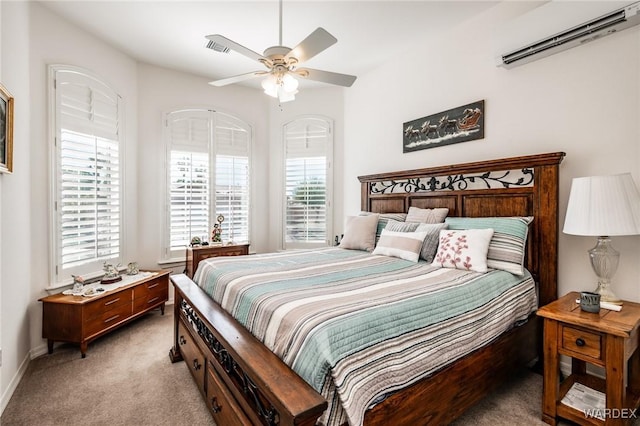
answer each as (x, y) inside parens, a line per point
(171, 262)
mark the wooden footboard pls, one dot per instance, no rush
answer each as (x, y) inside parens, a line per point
(245, 383)
(241, 380)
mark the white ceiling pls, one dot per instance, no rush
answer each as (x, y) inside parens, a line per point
(171, 33)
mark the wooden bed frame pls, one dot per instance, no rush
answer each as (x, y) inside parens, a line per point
(245, 383)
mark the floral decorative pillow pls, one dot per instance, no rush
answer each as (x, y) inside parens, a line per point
(464, 249)
(508, 244)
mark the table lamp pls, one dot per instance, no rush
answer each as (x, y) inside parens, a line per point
(603, 206)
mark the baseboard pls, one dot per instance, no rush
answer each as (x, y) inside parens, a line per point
(39, 351)
(6, 396)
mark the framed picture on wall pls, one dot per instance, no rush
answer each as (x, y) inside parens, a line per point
(6, 131)
(461, 124)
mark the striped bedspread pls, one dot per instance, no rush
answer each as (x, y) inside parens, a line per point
(357, 326)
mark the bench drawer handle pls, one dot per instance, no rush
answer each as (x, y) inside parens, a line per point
(580, 342)
(111, 302)
(215, 407)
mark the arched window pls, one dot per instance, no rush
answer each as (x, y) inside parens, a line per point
(87, 173)
(209, 165)
(308, 147)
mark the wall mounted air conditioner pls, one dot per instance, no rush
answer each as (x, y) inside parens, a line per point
(557, 26)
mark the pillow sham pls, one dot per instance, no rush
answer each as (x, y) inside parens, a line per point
(430, 244)
(416, 214)
(360, 232)
(464, 249)
(508, 244)
(383, 219)
(404, 245)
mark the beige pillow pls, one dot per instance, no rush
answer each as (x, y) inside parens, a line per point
(404, 245)
(416, 214)
(360, 232)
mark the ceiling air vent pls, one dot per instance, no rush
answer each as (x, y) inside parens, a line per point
(218, 47)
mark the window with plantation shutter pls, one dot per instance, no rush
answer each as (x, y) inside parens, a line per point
(208, 177)
(87, 201)
(308, 182)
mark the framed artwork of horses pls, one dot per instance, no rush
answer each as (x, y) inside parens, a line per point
(6, 130)
(461, 124)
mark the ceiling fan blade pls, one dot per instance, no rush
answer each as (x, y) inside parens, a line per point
(222, 44)
(237, 78)
(327, 76)
(315, 43)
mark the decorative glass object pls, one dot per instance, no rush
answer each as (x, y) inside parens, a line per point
(111, 274)
(132, 268)
(78, 283)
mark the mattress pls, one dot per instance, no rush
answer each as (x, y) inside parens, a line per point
(357, 326)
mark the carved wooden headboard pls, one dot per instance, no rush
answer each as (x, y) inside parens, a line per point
(518, 186)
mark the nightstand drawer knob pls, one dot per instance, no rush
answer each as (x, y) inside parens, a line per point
(580, 342)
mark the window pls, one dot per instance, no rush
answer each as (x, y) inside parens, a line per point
(87, 181)
(208, 176)
(307, 184)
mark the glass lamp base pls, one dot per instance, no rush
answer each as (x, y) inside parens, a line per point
(604, 261)
(606, 295)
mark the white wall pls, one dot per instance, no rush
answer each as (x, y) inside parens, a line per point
(15, 204)
(32, 38)
(327, 102)
(584, 101)
(161, 91)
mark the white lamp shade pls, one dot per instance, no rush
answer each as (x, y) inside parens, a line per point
(289, 83)
(270, 86)
(603, 206)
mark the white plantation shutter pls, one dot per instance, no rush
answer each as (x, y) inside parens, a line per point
(88, 174)
(209, 175)
(189, 177)
(308, 155)
(232, 146)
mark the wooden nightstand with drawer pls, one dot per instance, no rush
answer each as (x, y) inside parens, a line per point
(196, 254)
(607, 339)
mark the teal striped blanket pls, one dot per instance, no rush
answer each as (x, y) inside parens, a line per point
(356, 326)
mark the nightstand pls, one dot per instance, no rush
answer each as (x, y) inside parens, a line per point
(607, 339)
(196, 254)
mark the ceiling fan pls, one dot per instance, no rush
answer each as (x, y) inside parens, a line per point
(282, 63)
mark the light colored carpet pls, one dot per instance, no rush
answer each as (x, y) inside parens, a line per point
(127, 379)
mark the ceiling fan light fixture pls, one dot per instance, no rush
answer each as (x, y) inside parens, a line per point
(270, 85)
(285, 96)
(289, 83)
(282, 63)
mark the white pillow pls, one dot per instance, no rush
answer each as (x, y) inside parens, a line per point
(360, 232)
(405, 245)
(464, 249)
